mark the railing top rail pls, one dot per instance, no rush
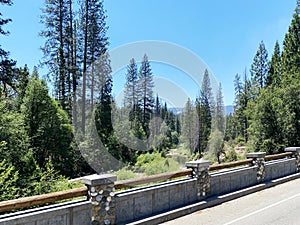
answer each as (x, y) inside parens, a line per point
(10, 205)
(278, 156)
(230, 165)
(153, 178)
(41, 199)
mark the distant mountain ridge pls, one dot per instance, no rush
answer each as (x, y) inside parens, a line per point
(229, 109)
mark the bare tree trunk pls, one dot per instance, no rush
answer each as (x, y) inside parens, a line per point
(84, 66)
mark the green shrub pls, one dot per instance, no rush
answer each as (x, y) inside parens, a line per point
(240, 141)
(154, 163)
(125, 174)
(231, 156)
(8, 181)
(50, 181)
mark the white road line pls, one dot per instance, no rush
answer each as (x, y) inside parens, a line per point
(260, 210)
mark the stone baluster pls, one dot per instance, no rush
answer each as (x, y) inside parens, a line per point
(296, 155)
(101, 194)
(200, 171)
(258, 159)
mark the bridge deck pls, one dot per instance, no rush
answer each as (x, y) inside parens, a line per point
(278, 205)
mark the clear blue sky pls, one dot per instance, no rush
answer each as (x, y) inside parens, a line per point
(224, 34)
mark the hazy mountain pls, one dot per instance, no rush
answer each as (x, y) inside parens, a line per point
(229, 109)
(177, 111)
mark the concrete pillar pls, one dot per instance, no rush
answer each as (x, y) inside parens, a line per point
(258, 159)
(200, 171)
(101, 194)
(296, 155)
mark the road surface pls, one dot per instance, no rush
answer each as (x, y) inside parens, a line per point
(279, 205)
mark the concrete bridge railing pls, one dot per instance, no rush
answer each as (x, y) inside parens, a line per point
(105, 205)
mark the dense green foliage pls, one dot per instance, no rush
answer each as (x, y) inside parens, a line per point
(204, 122)
(267, 106)
(8, 181)
(143, 124)
(48, 127)
(38, 153)
(155, 163)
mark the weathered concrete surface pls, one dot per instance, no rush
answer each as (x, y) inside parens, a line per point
(141, 202)
(278, 205)
(280, 168)
(71, 213)
(231, 180)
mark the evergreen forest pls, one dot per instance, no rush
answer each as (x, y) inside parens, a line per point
(48, 122)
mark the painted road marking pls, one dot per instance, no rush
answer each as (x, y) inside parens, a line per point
(263, 209)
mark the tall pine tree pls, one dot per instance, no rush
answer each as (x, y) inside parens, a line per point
(205, 111)
(131, 92)
(94, 41)
(55, 17)
(242, 98)
(190, 127)
(146, 84)
(48, 127)
(105, 100)
(7, 75)
(219, 116)
(260, 67)
(291, 48)
(275, 75)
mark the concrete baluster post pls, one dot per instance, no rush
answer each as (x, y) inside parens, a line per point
(200, 171)
(296, 155)
(258, 159)
(101, 195)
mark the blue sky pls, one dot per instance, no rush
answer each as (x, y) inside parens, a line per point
(224, 34)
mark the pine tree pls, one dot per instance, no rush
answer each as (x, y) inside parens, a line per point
(238, 85)
(230, 129)
(238, 110)
(242, 99)
(4, 21)
(23, 77)
(105, 100)
(275, 75)
(75, 74)
(95, 42)
(260, 67)
(146, 84)
(219, 117)
(48, 127)
(131, 95)
(291, 48)
(157, 106)
(205, 111)
(207, 90)
(131, 91)
(163, 111)
(204, 116)
(265, 129)
(190, 127)
(55, 18)
(157, 119)
(72, 63)
(7, 75)
(178, 125)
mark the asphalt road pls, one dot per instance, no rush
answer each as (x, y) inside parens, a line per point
(279, 205)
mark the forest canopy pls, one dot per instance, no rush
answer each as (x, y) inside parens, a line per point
(39, 131)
